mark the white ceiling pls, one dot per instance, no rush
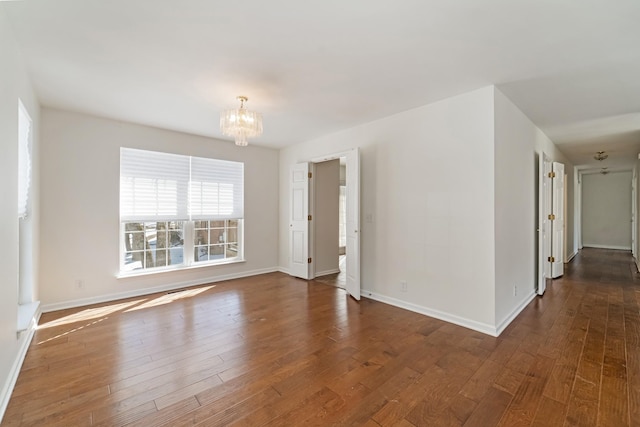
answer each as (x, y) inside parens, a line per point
(314, 68)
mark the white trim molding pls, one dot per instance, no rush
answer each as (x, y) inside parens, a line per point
(618, 248)
(485, 328)
(500, 327)
(284, 270)
(24, 339)
(146, 291)
(324, 273)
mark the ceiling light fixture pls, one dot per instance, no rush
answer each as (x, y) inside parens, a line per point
(241, 123)
(604, 171)
(600, 155)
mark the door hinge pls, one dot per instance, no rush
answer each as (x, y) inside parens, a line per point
(552, 217)
(552, 174)
(551, 259)
(310, 174)
(309, 217)
(308, 260)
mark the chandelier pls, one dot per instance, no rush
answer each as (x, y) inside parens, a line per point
(241, 123)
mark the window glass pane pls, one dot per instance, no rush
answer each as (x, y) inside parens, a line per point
(201, 237)
(149, 260)
(232, 235)
(134, 241)
(133, 226)
(160, 256)
(150, 237)
(133, 260)
(176, 238)
(216, 251)
(176, 255)
(232, 251)
(200, 224)
(201, 253)
(161, 235)
(153, 244)
(233, 223)
(217, 235)
(217, 224)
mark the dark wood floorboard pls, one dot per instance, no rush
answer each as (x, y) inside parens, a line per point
(272, 350)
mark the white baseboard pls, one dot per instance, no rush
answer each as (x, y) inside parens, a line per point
(25, 338)
(511, 317)
(284, 270)
(146, 291)
(572, 256)
(324, 273)
(619, 248)
(485, 328)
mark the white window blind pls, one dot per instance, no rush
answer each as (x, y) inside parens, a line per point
(24, 159)
(216, 190)
(161, 187)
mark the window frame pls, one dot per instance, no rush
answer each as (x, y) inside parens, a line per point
(188, 234)
(188, 261)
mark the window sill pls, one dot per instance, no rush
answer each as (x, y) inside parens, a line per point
(137, 273)
(26, 313)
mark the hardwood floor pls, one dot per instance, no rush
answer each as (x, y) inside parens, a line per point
(273, 350)
(336, 279)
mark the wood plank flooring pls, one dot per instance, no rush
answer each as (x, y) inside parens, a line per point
(272, 350)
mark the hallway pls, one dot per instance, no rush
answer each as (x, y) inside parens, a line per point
(587, 332)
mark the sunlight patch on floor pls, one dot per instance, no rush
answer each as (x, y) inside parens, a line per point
(171, 297)
(89, 313)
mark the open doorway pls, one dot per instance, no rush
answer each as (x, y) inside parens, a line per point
(330, 225)
(306, 207)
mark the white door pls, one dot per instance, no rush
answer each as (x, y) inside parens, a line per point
(300, 264)
(544, 230)
(557, 251)
(353, 223)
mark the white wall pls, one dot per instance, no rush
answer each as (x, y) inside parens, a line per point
(519, 147)
(515, 204)
(80, 198)
(427, 182)
(606, 210)
(326, 197)
(14, 85)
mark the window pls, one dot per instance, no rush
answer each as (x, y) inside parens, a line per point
(342, 219)
(24, 159)
(153, 244)
(177, 211)
(215, 240)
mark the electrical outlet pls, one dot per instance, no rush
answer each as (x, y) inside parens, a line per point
(79, 284)
(403, 286)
